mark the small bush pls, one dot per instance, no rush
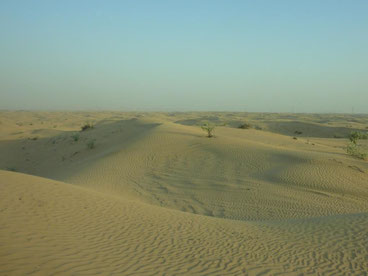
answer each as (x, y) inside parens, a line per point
(75, 137)
(245, 126)
(355, 136)
(298, 132)
(209, 129)
(295, 138)
(91, 144)
(354, 150)
(87, 126)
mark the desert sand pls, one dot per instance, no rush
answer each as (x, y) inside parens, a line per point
(149, 194)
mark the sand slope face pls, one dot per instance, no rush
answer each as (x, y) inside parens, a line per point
(49, 227)
(248, 175)
(239, 174)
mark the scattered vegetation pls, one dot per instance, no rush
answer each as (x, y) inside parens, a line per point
(91, 144)
(295, 138)
(245, 126)
(12, 169)
(354, 150)
(209, 129)
(298, 132)
(87, 126)
(356, 135)
(75, 137)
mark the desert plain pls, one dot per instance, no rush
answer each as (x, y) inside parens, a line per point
(147, 193)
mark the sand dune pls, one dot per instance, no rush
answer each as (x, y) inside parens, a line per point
(49, 227)
(155, 196)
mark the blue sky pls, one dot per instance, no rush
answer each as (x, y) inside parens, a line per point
(272, 56)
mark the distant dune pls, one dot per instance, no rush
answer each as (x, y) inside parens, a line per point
(149, 194)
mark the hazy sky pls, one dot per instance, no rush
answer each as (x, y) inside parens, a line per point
(302, 56)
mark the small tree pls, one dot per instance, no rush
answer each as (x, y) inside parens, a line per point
(209, 129)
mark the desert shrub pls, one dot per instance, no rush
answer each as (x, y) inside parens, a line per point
(244, 126)
(354, 150)
(209, 129)
(355, 136)
(91, 144)
(295, 138)
(75, 137)
(87, 126)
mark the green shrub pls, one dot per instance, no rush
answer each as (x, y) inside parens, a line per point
(75, 137)
(91, 144)
(354, 136)
(354, 150)
(209, 129)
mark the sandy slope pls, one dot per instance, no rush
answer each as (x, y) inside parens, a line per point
(299, 205)
(52, 228)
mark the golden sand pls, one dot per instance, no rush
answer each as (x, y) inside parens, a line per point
(154, 196)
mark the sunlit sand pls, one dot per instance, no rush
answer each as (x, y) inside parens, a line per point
(150, 194)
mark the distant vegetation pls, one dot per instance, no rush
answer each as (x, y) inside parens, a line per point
(356, 135)
(353, 148)
(87, 126)
(75, 137)
(209, 129)
(356, 151)
(245, 126)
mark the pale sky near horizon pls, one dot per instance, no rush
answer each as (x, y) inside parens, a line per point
(266, 56)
